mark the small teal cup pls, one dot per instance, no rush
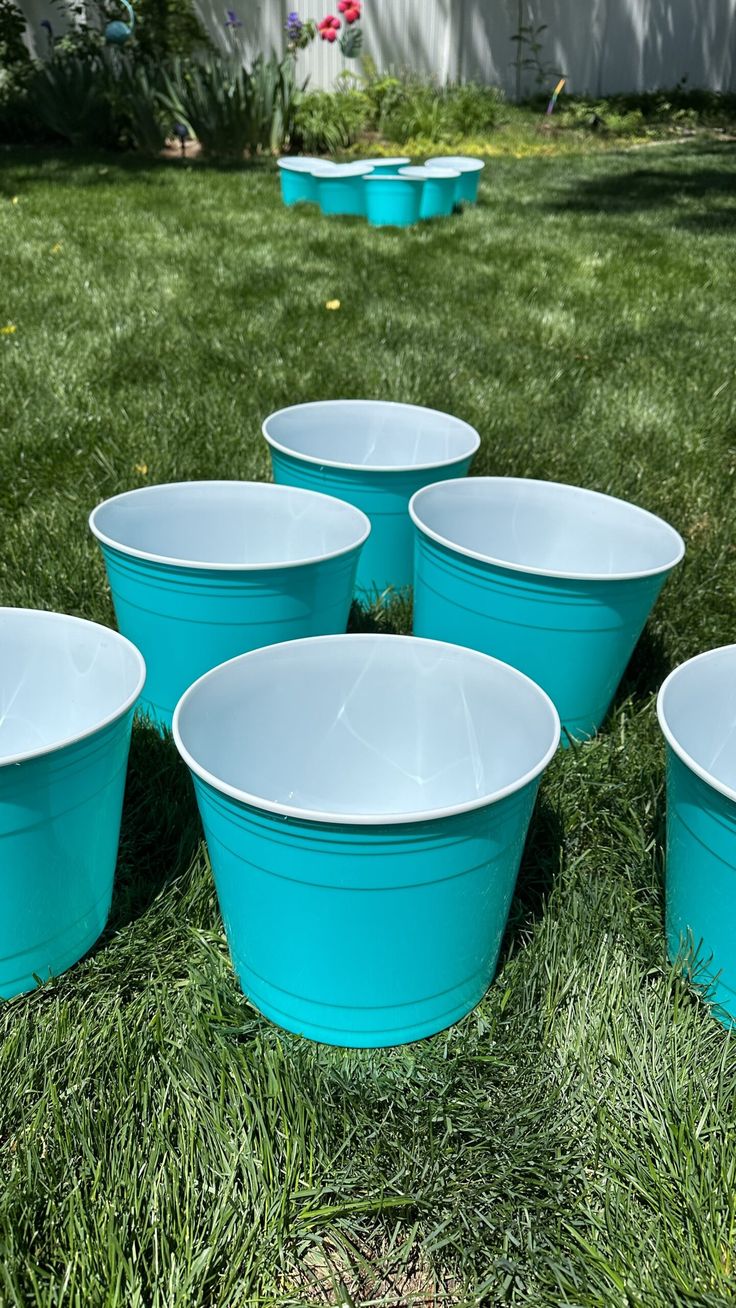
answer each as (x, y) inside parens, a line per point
(438, 190)
(556, 580)
(374, 454)
(341, 188)
(202, 571)
(697, 714)
(68, 690)
(393, 201)
(470, 169)
(365, 851)
(298, 179)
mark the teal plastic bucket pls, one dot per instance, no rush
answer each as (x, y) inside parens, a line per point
(68, 689)
(697, 715)
(556, 580)
(438, 190)
(470, 169)
(374, 454)
(365, 852)
(386, 167)
(298, 180)
(393, 201)
(202, 571)
(341, 188)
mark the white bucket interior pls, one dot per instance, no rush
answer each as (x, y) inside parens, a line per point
(697, 712)
(464, 163)
(366, 728)
(229, 524)
(397, 162)
(546, 527)
(425, 173)
(370, 434)
(60, 678)
(304, 163)
(333, 171)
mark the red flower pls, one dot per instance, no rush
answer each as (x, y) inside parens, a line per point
(350, 9)
(329, 28)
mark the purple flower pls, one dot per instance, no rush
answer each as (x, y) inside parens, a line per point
(231, 19)
(293, 26)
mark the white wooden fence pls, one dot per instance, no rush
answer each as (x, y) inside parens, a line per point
(601, 45)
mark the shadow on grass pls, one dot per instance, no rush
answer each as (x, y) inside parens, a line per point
(540, 865)
(43, 159)
(645, 672)
(160, 831)
(677, 178)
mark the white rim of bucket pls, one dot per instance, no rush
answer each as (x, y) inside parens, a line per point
(529, 568)
(672, 740)
(423, 171)
(336, 171)
(170, 561)
(372, 467)
(465, 163)
(26, 755)
(388, 163)
(369, 819)
(377, 177)
(302, 163)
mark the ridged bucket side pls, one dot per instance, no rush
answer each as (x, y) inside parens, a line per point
(387, 558)
(574, 638)
(364, 936)
(298, 187)
(59, 832)
(701, 885)
(188, 620)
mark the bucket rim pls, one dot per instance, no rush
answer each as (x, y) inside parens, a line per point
(425, 172)
(327, 171)
(465, 163)
(315, 817)
(708, 777)
(303, 163)
(397, 161)
(51, 615)
(346, 465)
(172, 562)
(529, 569)
(399, 177)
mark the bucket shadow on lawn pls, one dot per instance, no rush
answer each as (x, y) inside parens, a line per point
(43, 160)
(540, 865)
(675, 186)
(646, 670)
(160, 832)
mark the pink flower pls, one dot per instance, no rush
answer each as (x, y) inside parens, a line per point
(329, 28)
(350, 9)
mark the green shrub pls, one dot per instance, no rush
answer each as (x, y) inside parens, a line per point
(74, 96)
(164, 29)
(415, 110)
(169, 29)
(17, 119)
(140, 90)
(231, 109)
(471, 109)
(416, 107)
(328, 121)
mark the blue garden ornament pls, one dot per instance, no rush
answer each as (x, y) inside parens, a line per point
(117, 32)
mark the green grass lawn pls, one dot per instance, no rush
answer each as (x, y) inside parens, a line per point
(572, 1141)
